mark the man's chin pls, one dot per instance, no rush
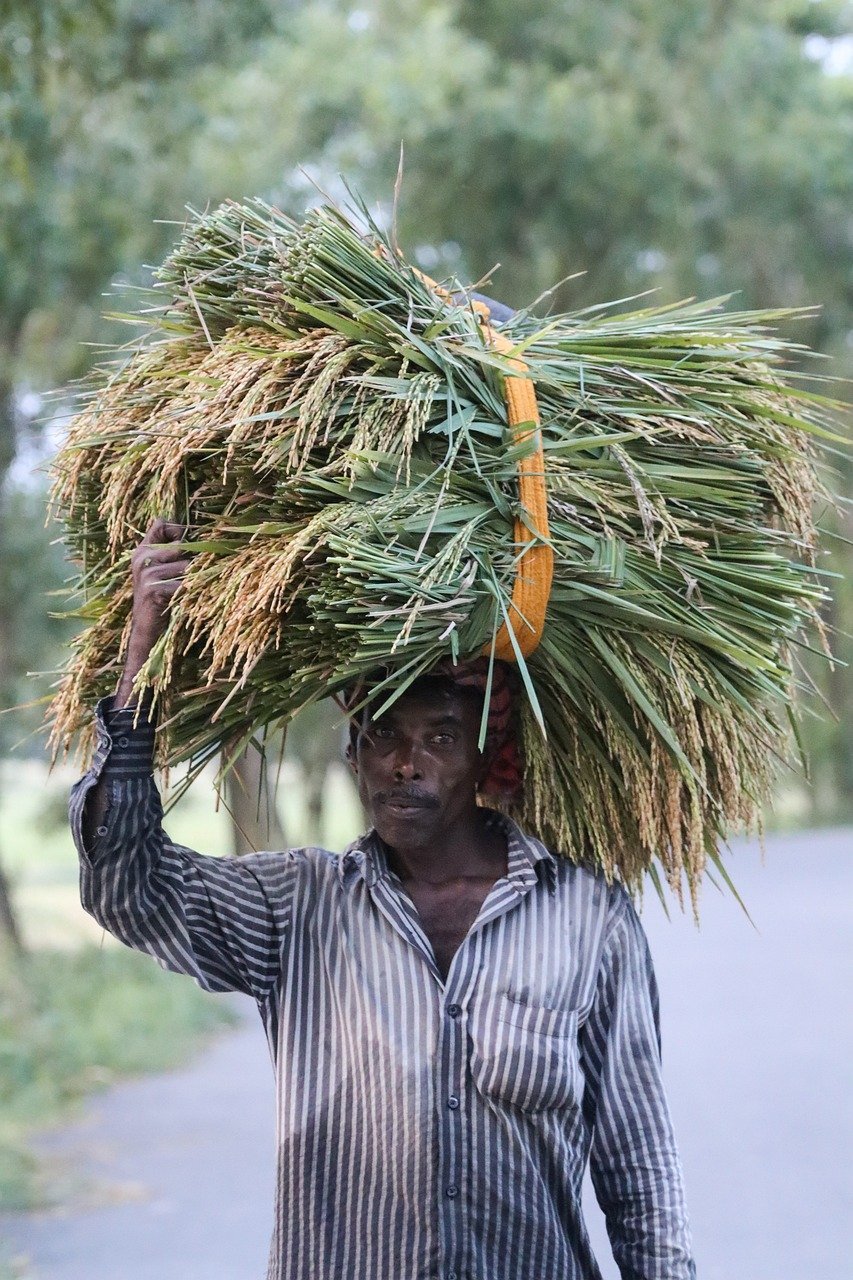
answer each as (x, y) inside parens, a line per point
(402, 828)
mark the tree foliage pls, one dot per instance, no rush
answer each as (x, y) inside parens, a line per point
(97, 123)
(693, 147)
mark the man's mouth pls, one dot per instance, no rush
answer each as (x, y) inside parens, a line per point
(405, 803)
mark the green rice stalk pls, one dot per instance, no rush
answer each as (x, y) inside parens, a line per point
(333, 433)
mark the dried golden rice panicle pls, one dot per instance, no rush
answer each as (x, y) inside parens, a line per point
(334, 433)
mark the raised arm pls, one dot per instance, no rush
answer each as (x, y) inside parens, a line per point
(634, 1162)
(157, 568)
(222, 921)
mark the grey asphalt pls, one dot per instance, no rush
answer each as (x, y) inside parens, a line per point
(757, 1050)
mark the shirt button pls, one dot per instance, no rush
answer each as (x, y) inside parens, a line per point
(122, 742)
(452, 1191)
(451, 1275)
(453, 1102)
(454, 1010)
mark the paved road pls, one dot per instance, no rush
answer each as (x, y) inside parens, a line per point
(757, 1047)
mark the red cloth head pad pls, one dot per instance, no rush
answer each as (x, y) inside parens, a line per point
(503, 779)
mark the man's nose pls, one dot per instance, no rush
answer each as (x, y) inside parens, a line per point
(406, 763)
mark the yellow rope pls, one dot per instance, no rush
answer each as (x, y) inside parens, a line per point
(535, 569)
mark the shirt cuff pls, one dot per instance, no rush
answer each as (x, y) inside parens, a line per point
(124, 749)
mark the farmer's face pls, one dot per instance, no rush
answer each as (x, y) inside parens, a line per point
(418, 766)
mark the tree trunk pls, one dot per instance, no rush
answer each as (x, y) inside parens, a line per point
(8, 431)
(314, 739)
(9, 931)
(839, 697)
(315, 787)
(254, 819)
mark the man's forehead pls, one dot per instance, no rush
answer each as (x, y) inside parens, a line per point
(432, 716)
(438, 705)
(435, 700)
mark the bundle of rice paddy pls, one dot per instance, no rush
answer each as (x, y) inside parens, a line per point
(333, 430)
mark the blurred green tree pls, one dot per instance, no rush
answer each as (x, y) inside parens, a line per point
(97, 124)
(669, 144)
(31, 568)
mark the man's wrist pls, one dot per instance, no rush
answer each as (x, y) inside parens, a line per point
(126, 735)
(137, 656)
(126, 697)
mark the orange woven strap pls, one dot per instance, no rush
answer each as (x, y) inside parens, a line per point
(535, 569)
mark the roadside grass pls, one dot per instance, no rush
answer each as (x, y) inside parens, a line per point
(71, 1023)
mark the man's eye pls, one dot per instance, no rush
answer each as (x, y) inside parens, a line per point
(444, 739)
(382, 731)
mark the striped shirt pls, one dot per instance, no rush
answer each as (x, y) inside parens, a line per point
(426, 1129)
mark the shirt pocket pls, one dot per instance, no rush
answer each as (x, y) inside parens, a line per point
(524, 1055)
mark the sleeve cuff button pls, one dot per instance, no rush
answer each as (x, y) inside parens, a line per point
(101, 831)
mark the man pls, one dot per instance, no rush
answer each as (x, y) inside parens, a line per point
(458, 1019)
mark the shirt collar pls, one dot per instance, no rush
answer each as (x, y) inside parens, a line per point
(526, 856)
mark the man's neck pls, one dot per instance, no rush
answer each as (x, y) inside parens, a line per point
(471, 848)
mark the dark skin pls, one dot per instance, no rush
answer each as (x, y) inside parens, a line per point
(417, 766)
(157, 567)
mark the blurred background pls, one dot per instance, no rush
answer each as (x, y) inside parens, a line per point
(691, 147)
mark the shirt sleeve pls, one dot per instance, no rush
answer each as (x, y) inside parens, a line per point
(223, 921)
(634, 1163)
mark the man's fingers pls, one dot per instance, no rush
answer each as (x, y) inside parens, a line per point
(166, 589)
(146, 555)
(171, 532)
(159, 565)
(165, 570)
(163, 531)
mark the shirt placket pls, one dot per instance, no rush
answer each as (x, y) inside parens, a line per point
(401, 914)
(453, 1078)
(450, 1083)
(452, 1090)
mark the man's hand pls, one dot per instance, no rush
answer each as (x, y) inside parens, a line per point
(158, 570)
